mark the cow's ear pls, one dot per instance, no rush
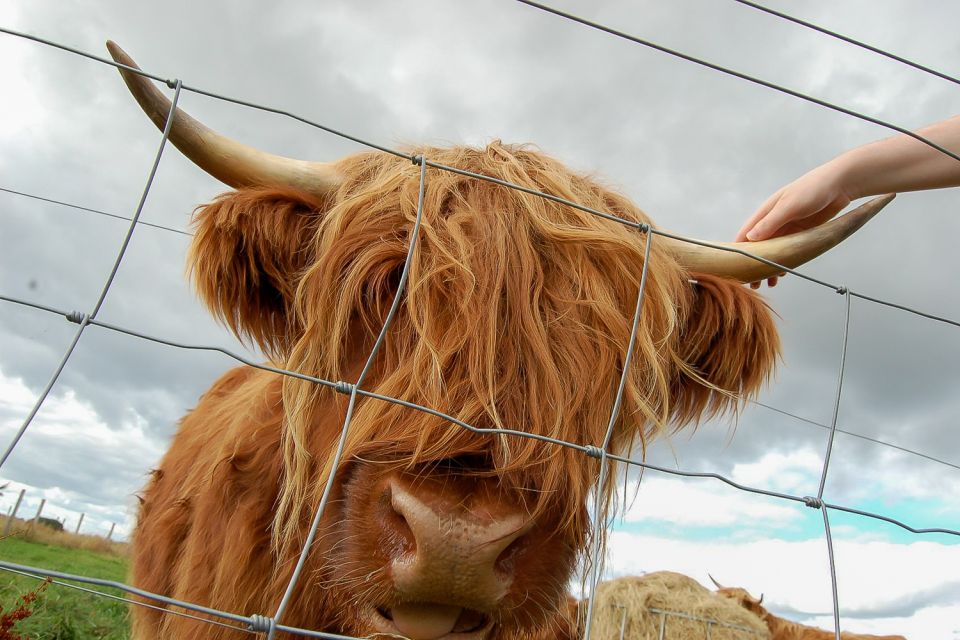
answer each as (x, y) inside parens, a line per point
(246, 259)
(728, 348)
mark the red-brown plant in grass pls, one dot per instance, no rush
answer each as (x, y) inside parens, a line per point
(23, 611)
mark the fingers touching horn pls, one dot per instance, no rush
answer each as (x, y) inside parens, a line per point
(231, 162)
(790, 251)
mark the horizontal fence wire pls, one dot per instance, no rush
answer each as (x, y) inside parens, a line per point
(857, 43)
(250, 623)
(107, 214)
(738, 74)
(601, 214)
(854, 434)
(260, 623)
(346, 388)
(110, 596)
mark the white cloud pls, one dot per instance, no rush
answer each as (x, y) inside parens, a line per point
(792, 472)
(930, 622)
(704, 503)
(50, 461)
(880, 583)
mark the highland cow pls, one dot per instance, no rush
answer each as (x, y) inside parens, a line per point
(517, 315)
(783, 629)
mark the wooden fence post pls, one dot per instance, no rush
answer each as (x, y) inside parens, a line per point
(39, 511)
(13, 515)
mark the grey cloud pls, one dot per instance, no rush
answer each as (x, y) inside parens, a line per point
(697, 150)
(938, 595)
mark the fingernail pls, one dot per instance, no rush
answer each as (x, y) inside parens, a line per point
(752, 235)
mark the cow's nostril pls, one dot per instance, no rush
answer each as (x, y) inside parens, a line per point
(398, 537)
(507, 560)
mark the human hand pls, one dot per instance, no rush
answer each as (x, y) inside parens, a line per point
(805, 203)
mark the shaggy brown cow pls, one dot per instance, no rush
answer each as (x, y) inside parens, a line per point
(781, 629)
(517, 314)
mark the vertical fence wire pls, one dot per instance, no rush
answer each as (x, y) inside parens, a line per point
(328, 487)
(85, 319)
(818, 502)
(598, 511)
(836, 403)
(833, 571)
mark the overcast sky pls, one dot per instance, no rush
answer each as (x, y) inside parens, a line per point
(696, 149)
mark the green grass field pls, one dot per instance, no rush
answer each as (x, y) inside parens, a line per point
(62, 613)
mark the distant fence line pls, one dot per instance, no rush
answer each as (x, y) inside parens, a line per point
(38, 519)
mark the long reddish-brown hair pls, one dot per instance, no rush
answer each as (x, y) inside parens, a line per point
(517, 314)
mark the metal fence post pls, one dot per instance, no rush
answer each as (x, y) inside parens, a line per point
(79, 522)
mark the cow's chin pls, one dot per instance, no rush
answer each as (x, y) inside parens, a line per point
(429, 621)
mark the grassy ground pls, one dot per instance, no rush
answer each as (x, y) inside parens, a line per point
(62, 613)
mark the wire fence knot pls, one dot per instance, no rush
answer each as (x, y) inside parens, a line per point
(643, 227)
(842, 290)
(417, 159)
(343, 387)
(171, 83)
(261, 624)
(813, 503)
(77, 317)
(593, 452)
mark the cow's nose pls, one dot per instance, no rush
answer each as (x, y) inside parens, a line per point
(464, 546)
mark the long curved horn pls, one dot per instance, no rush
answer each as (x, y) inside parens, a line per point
(714, 581)
(229, 161)
(790, 251)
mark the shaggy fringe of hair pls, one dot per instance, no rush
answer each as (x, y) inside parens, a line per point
(517, 314)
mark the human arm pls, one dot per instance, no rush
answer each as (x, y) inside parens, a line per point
(892, 165)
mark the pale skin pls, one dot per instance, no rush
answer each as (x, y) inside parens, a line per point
(893, 165)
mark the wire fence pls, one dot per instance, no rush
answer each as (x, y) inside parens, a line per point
(258, 622)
